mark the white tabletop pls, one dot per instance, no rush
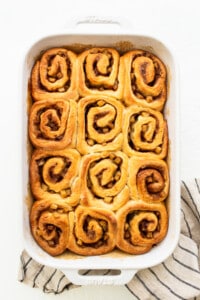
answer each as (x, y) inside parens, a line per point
(22, 23)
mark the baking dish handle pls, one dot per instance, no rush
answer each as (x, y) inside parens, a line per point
(120, 279)
(98, 23)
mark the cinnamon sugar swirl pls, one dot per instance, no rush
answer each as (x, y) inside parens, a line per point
(145, 133)
(52, 124)
(54, 76)
(53, 175)
(49, 221)
(148, 179)
(141, 226)
(94, 231)
(99, 124)
(100, 72)
(146, 78)
(104, 180)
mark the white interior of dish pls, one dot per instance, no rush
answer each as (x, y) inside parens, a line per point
(113, 260)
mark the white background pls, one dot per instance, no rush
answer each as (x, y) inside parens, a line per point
(176, 23)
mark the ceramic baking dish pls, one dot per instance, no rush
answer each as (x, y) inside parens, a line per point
(110, 33)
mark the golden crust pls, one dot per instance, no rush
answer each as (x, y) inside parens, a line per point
(94, 231)
(99, 124)
(53, 175)
(52, 124)
(148, 179)
(54, 76)
(100, 73)
(145, 133)
(140, 226)
(145, 83)
(49, 222)
(104, 178)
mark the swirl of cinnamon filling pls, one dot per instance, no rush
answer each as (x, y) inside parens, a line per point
(53, 175)
(148, 179)
(49, 221)
(140, 226)
(94, 231)
(99, 124)
(145, 133)
(54, 75)
(104, 178)
(146, 83)
(100, 72)
(52, 124)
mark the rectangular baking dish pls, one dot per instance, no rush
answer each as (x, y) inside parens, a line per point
(110, 33)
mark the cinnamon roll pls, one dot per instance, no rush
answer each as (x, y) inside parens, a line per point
(100, 72)
(49, 222)
(146, 80)
(54, 175)
(99, 124)
(145, 133)
(148, 179)
(99, 140)
(54, 76)
(94, 231)
(104, 177)
(141, 226)
(52, 124)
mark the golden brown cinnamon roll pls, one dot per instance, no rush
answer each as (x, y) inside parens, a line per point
(148, 179)
(49, 221)
(145, 133)
(94, 231)
(100, 72)
(54, 76)
(99, 124)
(140, 226)
(104, 178)
(145, 83)
(53, 175)
(52, 124)
(99, 140)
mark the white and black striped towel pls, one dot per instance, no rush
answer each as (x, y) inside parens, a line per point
(176, 278)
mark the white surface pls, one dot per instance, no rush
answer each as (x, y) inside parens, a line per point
(21, 22)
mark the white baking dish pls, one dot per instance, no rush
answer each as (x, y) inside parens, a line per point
(110, 33)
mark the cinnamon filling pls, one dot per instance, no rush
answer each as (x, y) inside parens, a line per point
(51, 230)
(55, 74)
(105, 72)
(146, 134)
(54, 176)
(144, 225)
(113, 180)
(51, 121)
(96, 230)
(143, 67)
(98, 119)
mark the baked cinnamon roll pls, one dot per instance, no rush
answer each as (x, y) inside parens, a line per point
(52, 124)
(99, 140)
(104, 178)
(54, 175)
(146, 80)
(99, 124)
(145, 133)
(94, 231)
(54, 76)
(49, 222)
(148, 179)
(141, 226)
(100, 72)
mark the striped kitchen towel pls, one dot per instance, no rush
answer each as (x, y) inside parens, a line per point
(176, 278)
